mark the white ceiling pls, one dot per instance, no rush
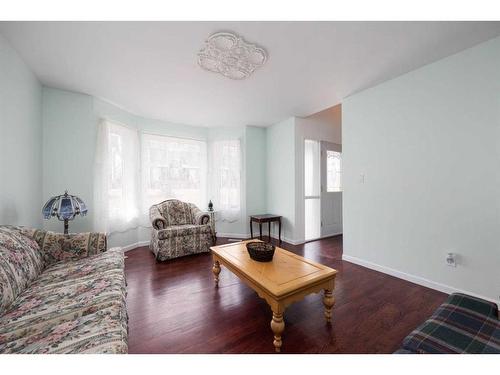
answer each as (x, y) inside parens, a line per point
(150, 68)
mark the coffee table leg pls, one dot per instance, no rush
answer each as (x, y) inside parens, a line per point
(328, 302)
(278, 326)
(216, 271)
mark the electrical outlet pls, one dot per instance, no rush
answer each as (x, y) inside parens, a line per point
(451, 260)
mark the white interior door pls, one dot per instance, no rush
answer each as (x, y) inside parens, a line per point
(331, 189)
(312, 204)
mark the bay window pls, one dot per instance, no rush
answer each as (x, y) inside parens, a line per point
(173, 168)
(225, 178)
(116, 176)
(134, 171)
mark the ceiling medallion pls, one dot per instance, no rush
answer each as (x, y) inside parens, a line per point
(231, 56)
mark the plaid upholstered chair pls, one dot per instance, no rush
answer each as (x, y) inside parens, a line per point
(179, 229)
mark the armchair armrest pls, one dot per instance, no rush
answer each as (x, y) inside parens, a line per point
(157, 220)
(58, 247)
(199, 217)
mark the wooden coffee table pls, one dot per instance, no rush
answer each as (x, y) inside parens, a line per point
(286, 279)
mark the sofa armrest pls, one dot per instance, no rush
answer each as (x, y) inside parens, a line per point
(58, 247)
(478, 305)
(157, 220)
(199, 217)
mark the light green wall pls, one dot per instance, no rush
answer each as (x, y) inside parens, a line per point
(20, 141)
(427, 145)
(256, 170)
(281, 175)
(69, 135)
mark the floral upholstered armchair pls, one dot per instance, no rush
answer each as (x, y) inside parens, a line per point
(179, 229)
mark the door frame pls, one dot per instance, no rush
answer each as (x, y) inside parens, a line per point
(304, 196)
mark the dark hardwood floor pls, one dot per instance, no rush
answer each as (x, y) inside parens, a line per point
(174, 308)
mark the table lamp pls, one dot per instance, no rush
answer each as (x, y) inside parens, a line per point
(65, 207)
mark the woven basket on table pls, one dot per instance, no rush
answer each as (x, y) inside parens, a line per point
(260, 251)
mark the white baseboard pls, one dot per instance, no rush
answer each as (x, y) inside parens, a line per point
(322, 237)
(134, 245)
(233, 235)
(412, 278)
(225, 235)
(285, 239)
(247, 235)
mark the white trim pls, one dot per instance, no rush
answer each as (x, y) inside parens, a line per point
(134, 245)
(225, 235)
(233, 235)
(322, 237)
(293, 242)
(285, 239)
(247, 236)
(412, 278)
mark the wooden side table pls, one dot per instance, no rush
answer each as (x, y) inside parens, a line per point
(266, 218)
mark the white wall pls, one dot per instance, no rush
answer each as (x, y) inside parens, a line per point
(322, 126)
(20, 141)
(428, 144)
(281, 175)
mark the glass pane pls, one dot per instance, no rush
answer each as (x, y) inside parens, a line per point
(333, 171)
(226, 175)
(116, 161)
(312, 218)
(311, 168)
(173, 168)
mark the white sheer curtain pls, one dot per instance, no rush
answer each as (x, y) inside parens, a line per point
(173, 168)
(116, 178)
(225, 178)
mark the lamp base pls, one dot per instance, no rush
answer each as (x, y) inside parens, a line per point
(66, 226)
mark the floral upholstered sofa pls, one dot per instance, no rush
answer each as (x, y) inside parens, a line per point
(61, 293)
(179, 229)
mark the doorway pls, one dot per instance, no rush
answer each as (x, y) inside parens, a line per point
(322, 189)
(331, 189)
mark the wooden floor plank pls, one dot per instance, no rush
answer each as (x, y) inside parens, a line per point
(173, 307)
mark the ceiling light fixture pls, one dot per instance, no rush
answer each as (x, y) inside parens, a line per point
(228, 54)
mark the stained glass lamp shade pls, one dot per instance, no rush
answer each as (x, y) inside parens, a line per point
(65, 207)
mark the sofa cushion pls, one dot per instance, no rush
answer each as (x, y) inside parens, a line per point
(103, 331)
(20, 263)
(492, 347)
(177, 212)
(463, 324)
(69, 304)
(65, 272)
(57, 247)
(180, 240)
(183, 230)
